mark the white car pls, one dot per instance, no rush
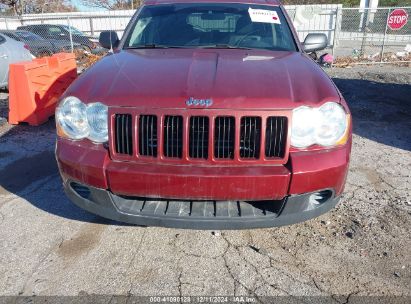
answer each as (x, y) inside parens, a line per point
(11, 51)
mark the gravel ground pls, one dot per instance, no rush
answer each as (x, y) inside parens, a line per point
(48, 246)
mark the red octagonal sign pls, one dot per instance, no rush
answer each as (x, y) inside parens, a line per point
(397, 19)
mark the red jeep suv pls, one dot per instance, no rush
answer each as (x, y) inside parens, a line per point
(208, 115)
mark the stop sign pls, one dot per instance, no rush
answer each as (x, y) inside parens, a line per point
(397, 19)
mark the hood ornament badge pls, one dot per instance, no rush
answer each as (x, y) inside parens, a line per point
(199, 102)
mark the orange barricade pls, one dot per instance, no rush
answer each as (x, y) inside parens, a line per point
(36, 86)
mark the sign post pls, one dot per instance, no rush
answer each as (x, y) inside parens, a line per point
(385, 35)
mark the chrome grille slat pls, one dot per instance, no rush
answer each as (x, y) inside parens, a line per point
(123, 134)
(202, 141)
(129, 138)
(250, 137)
(198, 138)
(224, 141)
(173, 136)
(276, 132)
(172, 131)
(281, 136)
(148, 135)
(118, 139)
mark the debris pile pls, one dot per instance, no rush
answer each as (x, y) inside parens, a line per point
(402, 58)
(86, 60)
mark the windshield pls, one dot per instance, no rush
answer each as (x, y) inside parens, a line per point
(10, 35)
(211, 25)
(74, 30)
(28, 36)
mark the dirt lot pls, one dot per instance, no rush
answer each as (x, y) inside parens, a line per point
(48, 246)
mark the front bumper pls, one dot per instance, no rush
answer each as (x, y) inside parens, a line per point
(208, 215)
(305, 172)
(131, 191)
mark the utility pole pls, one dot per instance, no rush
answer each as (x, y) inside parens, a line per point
(368, 9)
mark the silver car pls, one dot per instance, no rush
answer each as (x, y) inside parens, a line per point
(10, 51)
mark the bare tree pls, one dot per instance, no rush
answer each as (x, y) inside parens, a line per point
(12, 4)
(20, 7)
(112, 4)
(49, 6)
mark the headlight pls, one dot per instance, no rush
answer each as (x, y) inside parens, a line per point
(303, 127)
(77, 121)
(332, 124)
(325, 126)
(97, 121)
(71, 117)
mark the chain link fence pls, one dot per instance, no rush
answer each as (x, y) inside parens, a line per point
(355, 35)
(365, 35)
(316, 19)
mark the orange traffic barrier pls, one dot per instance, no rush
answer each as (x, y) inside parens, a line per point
(36, 86)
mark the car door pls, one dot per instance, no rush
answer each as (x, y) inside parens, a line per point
(11, 51)
(4, 64)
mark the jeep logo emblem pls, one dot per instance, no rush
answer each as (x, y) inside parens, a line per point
(199, 102)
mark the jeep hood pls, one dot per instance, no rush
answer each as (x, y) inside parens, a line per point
(233, 79)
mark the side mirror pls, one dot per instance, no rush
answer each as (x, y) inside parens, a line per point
(315, 42)
(109, 39)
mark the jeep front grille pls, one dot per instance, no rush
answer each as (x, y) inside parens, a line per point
(210, 137)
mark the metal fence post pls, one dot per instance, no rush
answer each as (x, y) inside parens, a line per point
(91, 26)
(71, 34)
(337, 28)
(385, 35)
(364, 30)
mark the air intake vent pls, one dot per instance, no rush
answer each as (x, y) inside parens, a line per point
(250, 137)
(275, 137)
(199, 128)
(123, 134)
(173, 136)
(224, 132)
(148, 135)
(81, 190)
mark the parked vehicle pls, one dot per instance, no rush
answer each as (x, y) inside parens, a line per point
(39, 46)
(11, 51)
(61, 32)
(207, 115)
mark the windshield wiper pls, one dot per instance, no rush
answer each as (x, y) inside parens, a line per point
(222, 46)
(153, 46)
